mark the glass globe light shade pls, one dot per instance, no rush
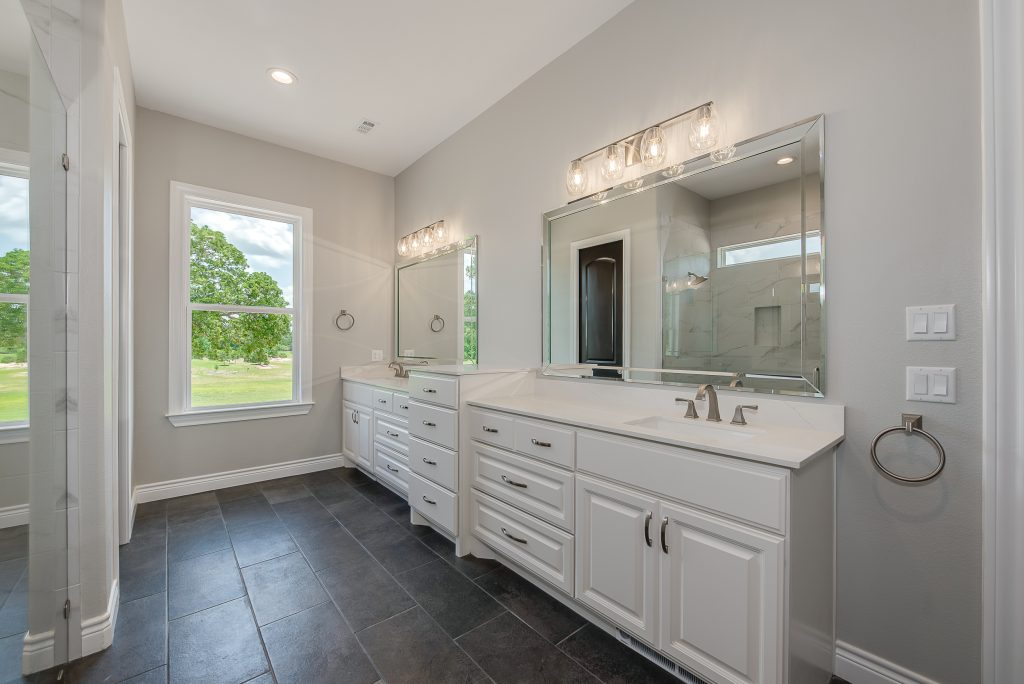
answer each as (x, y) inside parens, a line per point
(440, 233)
(403, 247)
(652, 147)
(613, 163)
(576, 177)
(704, 129)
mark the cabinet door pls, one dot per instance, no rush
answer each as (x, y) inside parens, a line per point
(350, 431)
(720, 598)
(364, 456)
(616, 568)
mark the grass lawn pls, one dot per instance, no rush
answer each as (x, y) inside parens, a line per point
(14, 393)
(237, 382)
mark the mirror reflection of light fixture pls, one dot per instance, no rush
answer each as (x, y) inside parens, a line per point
(704, 129)
(693, 280)
(430, 238)
(652, 147)
(576, 177)
(782, 161)
(613, 165)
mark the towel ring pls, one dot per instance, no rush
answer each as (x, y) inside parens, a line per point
(912, 424)
(351, 321)
(433, 321)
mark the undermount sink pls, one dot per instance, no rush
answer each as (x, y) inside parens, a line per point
(693, 428)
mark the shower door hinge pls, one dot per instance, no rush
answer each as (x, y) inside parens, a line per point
(67, 609)
(65, 161)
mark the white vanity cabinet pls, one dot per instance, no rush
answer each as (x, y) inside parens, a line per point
(357, 429)
(375, 432)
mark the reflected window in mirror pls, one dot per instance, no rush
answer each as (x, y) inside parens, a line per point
(14, 287)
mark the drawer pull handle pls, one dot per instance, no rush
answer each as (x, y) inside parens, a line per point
(491, 430)
(664, 544)
(429, 424)
(429, 390)
(512, 536)
(392, 434)
(428, 461)
(647, 528)
(539, 443)
(513, 483)
(382, 401)
(432, 503)
(394, 470)
(404, 407)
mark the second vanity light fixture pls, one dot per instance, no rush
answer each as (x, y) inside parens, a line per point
(650, 147)
(424, 240)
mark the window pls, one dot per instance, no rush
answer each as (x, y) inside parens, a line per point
(768, 250)
(14, 275)
(240, 331)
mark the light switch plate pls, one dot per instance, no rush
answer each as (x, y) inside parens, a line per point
(931, 322)
(377, 355)
(926, 383)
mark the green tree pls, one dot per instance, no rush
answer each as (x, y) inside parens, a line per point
(14, 274)
(219, 274)
(469, 312)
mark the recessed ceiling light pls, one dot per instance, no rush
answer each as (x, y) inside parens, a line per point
(282, 76)
(785, 160)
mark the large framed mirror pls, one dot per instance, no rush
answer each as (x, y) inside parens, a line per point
(436, 299)
(712, 273)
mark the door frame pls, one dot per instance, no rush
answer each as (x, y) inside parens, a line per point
(574, 267)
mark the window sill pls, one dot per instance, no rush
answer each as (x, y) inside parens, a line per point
(14, 434)
(236, 413)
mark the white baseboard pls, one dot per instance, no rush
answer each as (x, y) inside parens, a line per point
(98, 631)
(857, 666)
(232, 478)
(37, 652)
(14, 515)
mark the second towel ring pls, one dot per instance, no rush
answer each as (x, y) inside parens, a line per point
(912, 424)
(351, 321)
(434, 327)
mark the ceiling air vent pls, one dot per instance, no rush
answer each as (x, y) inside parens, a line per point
(365, 126)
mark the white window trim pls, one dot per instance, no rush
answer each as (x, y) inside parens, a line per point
(184, 196)
(14, 163)
(725, 249)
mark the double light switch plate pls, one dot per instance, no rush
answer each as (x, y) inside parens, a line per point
(931, 384)
(931, 322)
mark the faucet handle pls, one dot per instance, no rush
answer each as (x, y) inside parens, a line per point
(691, 408)
(738, 418)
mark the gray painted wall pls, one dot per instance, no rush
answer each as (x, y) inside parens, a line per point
(353, 225)
(899, 85)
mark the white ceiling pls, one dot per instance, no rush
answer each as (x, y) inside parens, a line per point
(419, 69)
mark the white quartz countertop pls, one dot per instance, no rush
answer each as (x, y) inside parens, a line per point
(790, 441)
(461, 370)
(392, 383)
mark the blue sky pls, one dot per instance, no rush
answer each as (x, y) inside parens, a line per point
(267, 245)
(13, 213)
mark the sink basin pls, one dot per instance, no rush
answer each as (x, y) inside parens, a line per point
(688, 428)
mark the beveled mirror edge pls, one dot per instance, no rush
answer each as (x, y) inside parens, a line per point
(758, 144)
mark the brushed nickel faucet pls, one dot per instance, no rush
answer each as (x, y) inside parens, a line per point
(708, 392)
(691, 408)
(399, 369)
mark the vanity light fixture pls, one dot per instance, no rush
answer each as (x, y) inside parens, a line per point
(652, 147)
(785, 160)
(695, 280)
(432, 238)
(282, 76)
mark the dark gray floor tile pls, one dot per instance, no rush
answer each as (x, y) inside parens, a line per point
(449, 597)
(303, 514)
(509, 651)
(186, 509)
(396, 549)
(285, 489)
(610, 660)
(240, 492)
(383, 498)
(360, 517)
(143, 566)
(415, 530)
(196, 538)
(14, 613)
(10, 572)
(157, 676)
(410, 647)
(257, 543)
(317, 477)
(365, 592)
(151, 509)
(316, 646)
(149, 525)
(220, 644)
(250, 511)
(10, 659)
(140, 644)
(13, 542)
(332, 491)
(547, 615)
(353, 476)
(470, 566)
(202, 582)
(267, 678)
(281, 587)
(329, 545)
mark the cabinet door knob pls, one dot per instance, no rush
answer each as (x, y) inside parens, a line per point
(512, 536)
(432, 503)
(647, 528)
(539, 443)
(664, 526)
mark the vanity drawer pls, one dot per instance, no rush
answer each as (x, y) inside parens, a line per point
(382, 400)
(436, 389)
(540, 548)
(400, 404)
(393, 433)
(388, 467)
(493, 428)
(546, 441)
(357, 394)
(434, 424)
(527, 484)
(751, 492)
(433, 502)
(435, 463)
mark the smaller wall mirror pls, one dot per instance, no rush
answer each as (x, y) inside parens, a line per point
(436, 306)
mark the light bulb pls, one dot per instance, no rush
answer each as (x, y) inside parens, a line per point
(414, 242)
(652, 147)
(403, 247)
(613, 165)
(704, 129)
(282, 76)
(576, 177)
